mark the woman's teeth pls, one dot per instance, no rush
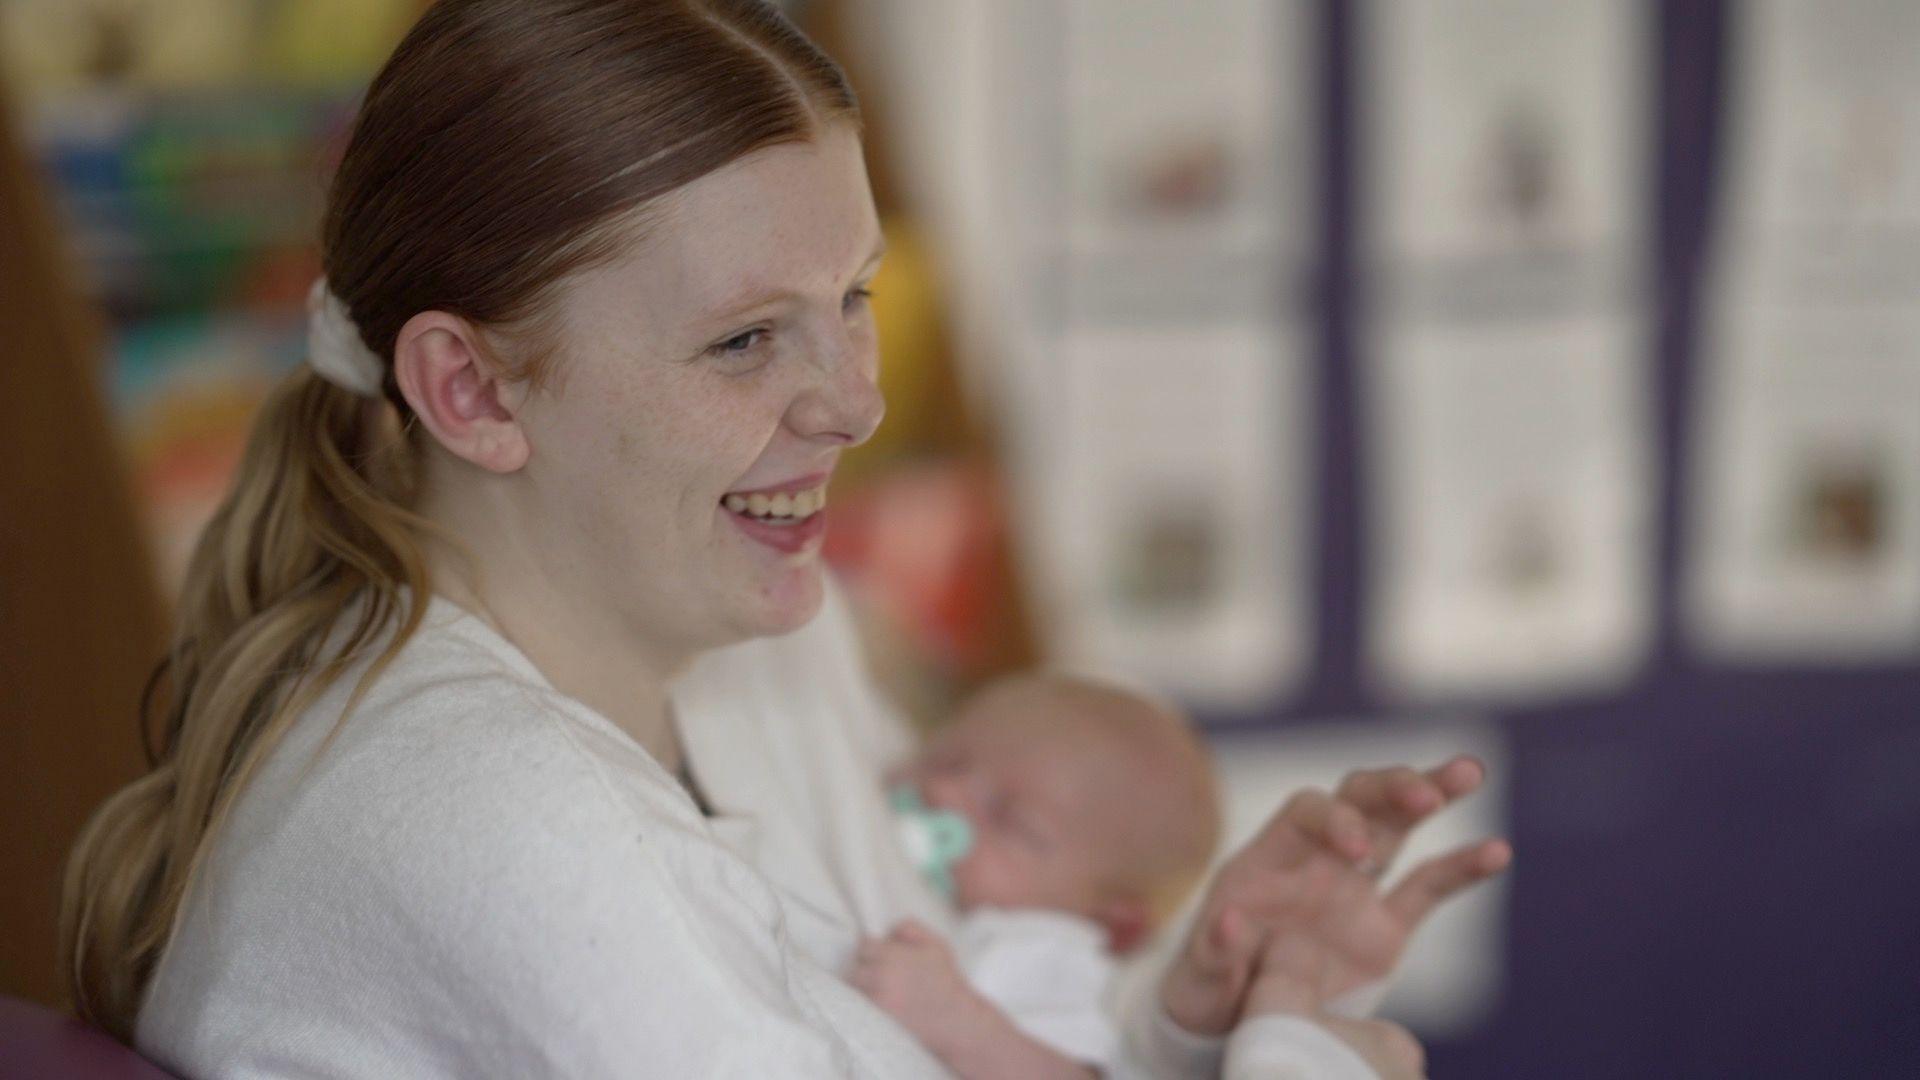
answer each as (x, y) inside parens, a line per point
(782, 508)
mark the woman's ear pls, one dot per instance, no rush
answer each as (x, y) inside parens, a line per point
(458, 393)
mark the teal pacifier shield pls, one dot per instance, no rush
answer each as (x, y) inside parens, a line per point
(936, 839)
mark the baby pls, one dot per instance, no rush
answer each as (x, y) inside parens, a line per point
(1066, 820)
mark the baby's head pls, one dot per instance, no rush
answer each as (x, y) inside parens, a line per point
(1082, 797)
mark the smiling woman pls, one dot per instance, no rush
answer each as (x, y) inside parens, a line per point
(593, 336)
(509, 727)
(725, 354)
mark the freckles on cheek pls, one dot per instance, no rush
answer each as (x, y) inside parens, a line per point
(728, 435)
(701, 450)
(642, 436)
(608, 425)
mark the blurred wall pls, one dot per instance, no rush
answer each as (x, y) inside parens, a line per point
(80, 620)
(1715, 871)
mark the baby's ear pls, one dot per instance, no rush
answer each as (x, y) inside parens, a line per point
(1127, 920)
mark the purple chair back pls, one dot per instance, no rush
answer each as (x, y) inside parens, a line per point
(37, 1043)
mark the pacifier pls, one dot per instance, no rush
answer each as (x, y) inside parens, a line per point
(935, 839)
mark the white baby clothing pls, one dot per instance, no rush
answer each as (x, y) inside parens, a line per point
(1048, 972)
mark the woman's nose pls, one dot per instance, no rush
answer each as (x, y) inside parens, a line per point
(843, 403)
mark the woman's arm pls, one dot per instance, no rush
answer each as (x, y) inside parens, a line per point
(1314, 871)
(1285, 1029)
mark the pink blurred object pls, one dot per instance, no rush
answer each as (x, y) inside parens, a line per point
(919, 544)
(37, 1043)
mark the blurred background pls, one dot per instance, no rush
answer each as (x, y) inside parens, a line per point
(1538, 379)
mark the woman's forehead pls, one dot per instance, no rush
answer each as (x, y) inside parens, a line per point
(792, 218)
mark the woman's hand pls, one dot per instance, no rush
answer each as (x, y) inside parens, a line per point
(1291, 972)
(1314, 871)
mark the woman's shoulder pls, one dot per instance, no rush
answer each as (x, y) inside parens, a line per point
(462, 868)
(456, 745)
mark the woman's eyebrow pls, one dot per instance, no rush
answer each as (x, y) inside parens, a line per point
(756, 295)
(747, 299)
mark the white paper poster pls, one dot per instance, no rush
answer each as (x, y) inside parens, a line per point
(1496, 127)
(1174, 528)
(1809, 520)
(1507, 400)
(1155, 163)
(1826, 117)
(1804, 539)
(1512, 550)
(1175, 113)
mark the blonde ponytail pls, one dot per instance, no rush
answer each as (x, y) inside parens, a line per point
(316, 521)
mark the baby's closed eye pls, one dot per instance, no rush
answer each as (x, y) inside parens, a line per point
(1022, 822)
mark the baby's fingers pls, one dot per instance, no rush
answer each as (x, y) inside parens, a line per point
(871, 952)
(912, 931)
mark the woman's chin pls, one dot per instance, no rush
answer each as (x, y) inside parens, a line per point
(788, 603)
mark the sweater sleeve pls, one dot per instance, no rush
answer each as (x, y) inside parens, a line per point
(1291, 1048)
(1152, 1046)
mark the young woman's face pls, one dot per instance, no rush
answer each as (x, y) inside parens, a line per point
(728, 358)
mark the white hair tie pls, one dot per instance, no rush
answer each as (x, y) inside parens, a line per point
(335, 349)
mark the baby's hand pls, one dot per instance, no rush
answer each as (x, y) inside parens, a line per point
(911, 973)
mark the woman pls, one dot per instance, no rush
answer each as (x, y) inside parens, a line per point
(592, 337)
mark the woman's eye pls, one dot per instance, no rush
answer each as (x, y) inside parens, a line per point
(738, 343)
(856, 299)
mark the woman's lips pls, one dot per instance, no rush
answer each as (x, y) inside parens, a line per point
(786, 517)
(799, 483)
(789, 539)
